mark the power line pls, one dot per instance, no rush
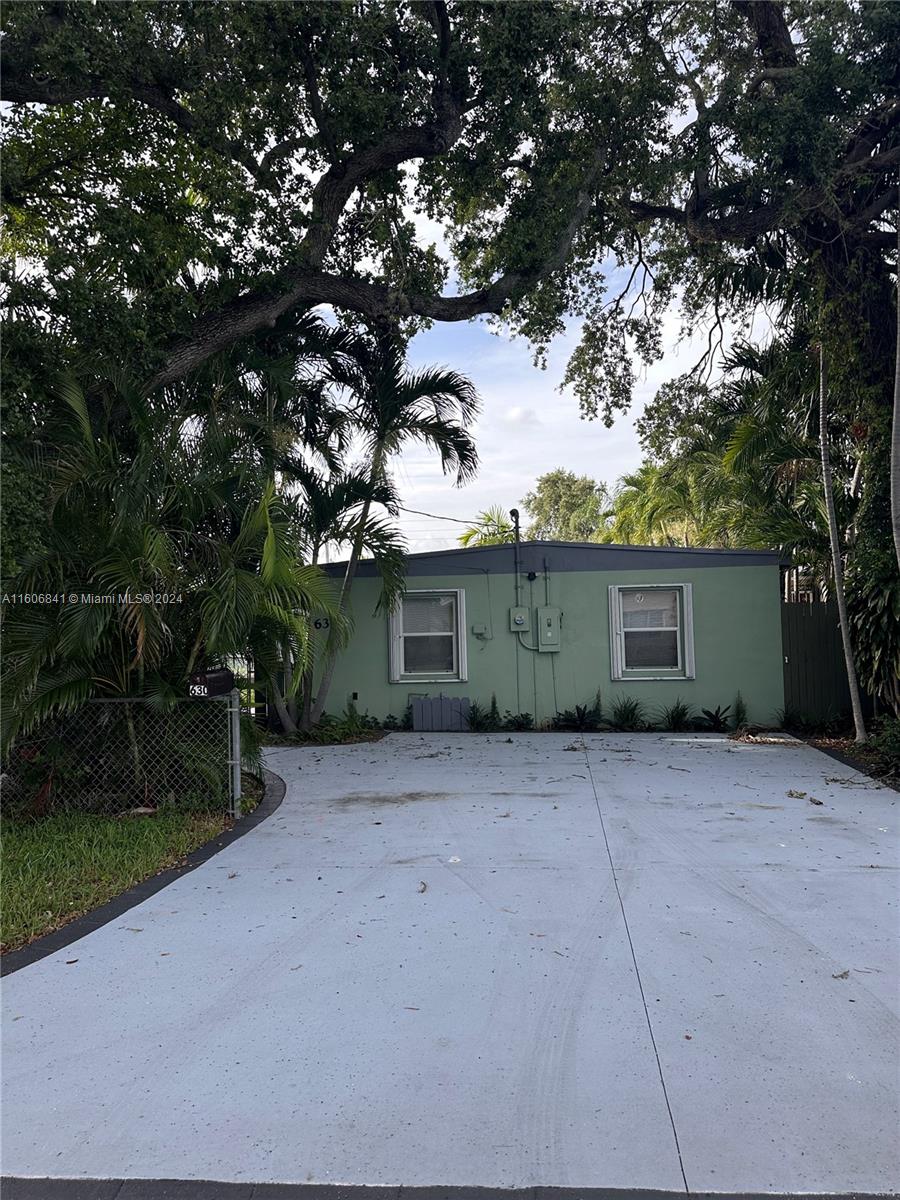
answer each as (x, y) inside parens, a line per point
(435, 517)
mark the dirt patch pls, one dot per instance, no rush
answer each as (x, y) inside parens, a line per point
(865, 759)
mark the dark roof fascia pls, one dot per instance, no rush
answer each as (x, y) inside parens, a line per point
(568, 556)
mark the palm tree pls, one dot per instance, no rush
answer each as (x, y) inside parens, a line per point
(329, 512)
(492, 527)
(143, 502)
(392, 406)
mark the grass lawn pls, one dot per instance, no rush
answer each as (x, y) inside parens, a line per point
(59, 867)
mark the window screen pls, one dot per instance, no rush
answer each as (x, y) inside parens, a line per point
(429, 634)
(650, 624)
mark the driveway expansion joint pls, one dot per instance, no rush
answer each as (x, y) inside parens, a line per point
(637, 970)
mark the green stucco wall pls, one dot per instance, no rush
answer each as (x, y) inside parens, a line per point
(737, 642)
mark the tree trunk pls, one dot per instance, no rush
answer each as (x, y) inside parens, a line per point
(331, 651)
(287, 724)
(895, 428)
(836, 561)
(289, 694)
(306, 685)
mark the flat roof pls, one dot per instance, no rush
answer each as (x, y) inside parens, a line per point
(569, 556)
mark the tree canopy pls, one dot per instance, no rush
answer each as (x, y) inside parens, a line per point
(187, 173)
(567, 507)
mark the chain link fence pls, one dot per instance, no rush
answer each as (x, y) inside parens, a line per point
(113, 756)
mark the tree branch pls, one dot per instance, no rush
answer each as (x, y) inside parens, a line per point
(315, 106)
(773, 37)
(310, 286)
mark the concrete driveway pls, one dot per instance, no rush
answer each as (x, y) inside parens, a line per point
(629, 961)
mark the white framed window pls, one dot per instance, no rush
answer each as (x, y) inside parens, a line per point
(427, 635)
(651, 628)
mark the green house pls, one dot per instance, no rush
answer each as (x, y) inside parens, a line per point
(545, 625)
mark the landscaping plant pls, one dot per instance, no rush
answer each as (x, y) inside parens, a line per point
(628, 715)
(716, 719)
(520, 722)
(677, 717)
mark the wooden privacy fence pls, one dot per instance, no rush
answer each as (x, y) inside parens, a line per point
(815, 676)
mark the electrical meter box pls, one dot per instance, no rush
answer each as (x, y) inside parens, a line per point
(519, 620)
(548, 623)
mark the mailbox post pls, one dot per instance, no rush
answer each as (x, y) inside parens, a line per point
(217, 683)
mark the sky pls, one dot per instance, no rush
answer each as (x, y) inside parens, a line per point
(527, 426)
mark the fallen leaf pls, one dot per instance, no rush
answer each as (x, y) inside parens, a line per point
(232, 874)
(813, 800)
(797, 795)
(133, 929)
(688, 1037)
(842, 975)
(423, 886)
(409, 1008)
(686, 770)
(69, 961)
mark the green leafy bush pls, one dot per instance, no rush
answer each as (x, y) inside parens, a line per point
(350, 726)
(739, 719)
(716, 719)
(583, 718)
(628, 715)
(520, 722)
(885, 741)
(484, 718)
(678, 716)
(477, 718)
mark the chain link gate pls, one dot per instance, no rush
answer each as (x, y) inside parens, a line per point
(117, 755)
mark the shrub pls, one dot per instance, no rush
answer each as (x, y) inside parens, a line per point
(478, 718)
(739, 719)
(518, 721)
(407, 721)
(350, 726)
(885, 741)
(628, 714)
(390, 723)
(677, 716)
(583, 718)
(251, 744)
(580, 719)
(716, 719)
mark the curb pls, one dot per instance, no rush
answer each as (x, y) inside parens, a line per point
(41, 947)
(201, 1189)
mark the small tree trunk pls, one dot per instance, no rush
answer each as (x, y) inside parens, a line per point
(836, 560)
(290, 697)
(895, 427)
(306, 684)
(331, 651)
(288, 725)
